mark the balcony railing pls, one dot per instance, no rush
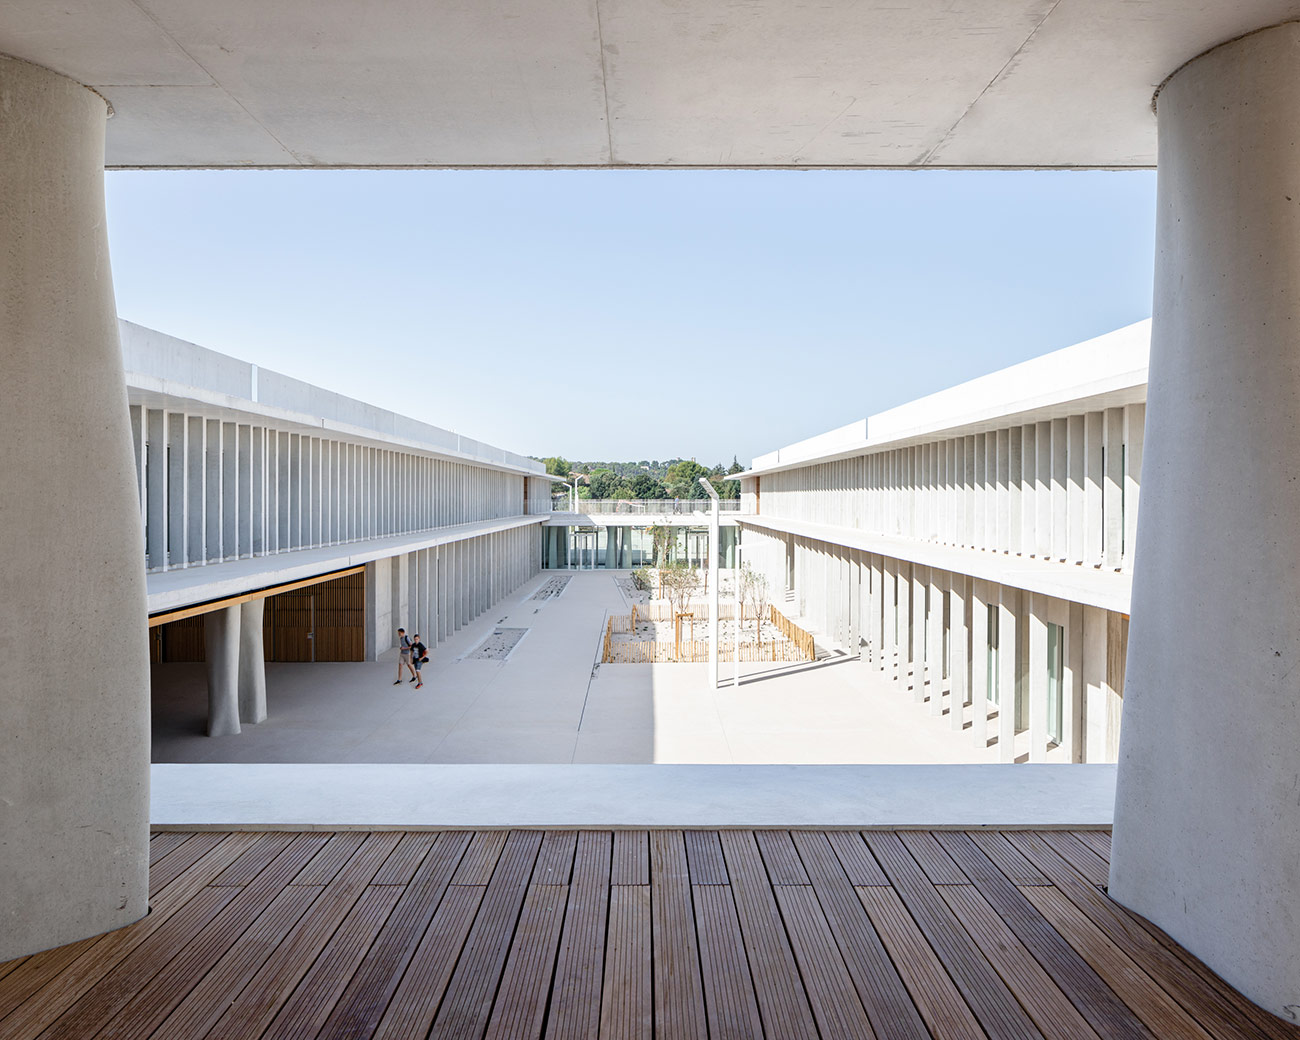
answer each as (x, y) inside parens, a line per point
(645, 505)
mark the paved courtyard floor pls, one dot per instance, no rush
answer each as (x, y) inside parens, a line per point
(550, 701)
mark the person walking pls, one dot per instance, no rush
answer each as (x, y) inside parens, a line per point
(404, 658)
(419, 655)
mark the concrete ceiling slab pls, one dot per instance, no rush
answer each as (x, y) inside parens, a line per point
(761, 83)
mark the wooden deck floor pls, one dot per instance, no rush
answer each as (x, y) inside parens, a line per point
(777, 934)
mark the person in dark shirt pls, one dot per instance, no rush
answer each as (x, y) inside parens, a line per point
(419, 654)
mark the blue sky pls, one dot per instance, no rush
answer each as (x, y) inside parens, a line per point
(633, 314)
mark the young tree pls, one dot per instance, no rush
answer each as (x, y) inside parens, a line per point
(662, 538)
(679, 583)
(754, 595)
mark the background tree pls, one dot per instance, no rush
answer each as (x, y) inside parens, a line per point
(645, 486)
(557, 466)
(683, 479)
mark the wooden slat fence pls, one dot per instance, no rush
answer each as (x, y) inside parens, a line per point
(803, 640)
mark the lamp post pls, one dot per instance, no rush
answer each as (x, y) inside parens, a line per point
(735, 624)
(713, 580)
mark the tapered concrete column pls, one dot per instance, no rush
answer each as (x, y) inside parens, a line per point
(252, 662)
(1207, 828)
(74, 756)
(221, 649)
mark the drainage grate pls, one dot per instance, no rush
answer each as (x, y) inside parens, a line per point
(552, 588)
(497, 646)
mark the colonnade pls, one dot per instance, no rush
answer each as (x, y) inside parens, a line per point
(439, 590)
(1063, 489)
(211, 489)
(1040, 677)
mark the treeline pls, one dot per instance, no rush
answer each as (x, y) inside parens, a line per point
(678, 478)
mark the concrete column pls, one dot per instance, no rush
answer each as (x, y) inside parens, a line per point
(252, 662)
(934, 641)
(380, 626)
(1207, 830)
(920, 583)
(888, 616)
(902, 632)
(1037, 678)
(1008, 666)
(1094, 684)
(221, 649)
(959, 652)
(74, 772)
(1092, 477)
(979, 661)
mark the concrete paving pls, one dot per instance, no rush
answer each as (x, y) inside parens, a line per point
(552, 702)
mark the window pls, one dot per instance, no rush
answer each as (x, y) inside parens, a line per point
(1055, 683)
(994, 662)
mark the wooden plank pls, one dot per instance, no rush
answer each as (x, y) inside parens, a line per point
(520, 1008)
(112, 992)
(363, 1002)
(401, 866)
(468, 1003)
(49, 983)
(631, 858)
(480, 858)
(626, 1006)
(162, 843)
(575, 993)
(941, 1006)
(678, 989)
(414, 1003)
(995, 1007)
(782, 1001)
(173, 865)
(1014, 866)
(729, 1000)
(1098, 841)
(555, 858)
(1094, 999)
(780, 857)
(306, 1010)
(859, 865)
(257, 1004)
(1218, 1011)
(879, 985)
(937, 864)
(1079, 856)
(9, 966)
(255, 860)
(156, 1000)
(195, 1015)
(333, 855)
(831, 992)
(1047, 1005)
(1161, 1013)
(704, 858)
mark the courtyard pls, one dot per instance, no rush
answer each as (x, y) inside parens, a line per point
(549, 700)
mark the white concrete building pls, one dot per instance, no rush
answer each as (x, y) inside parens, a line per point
(286, 522)
(976, 545)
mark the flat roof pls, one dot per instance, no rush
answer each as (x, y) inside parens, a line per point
(710, 83)
(1108, 371)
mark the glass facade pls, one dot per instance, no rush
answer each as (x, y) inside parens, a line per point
(619, 547)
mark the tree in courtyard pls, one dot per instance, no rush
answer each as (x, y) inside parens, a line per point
(754, 596)
(662, 539)
(678, 583)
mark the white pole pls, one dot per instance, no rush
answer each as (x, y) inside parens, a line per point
(735, 622)
(714, 654)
